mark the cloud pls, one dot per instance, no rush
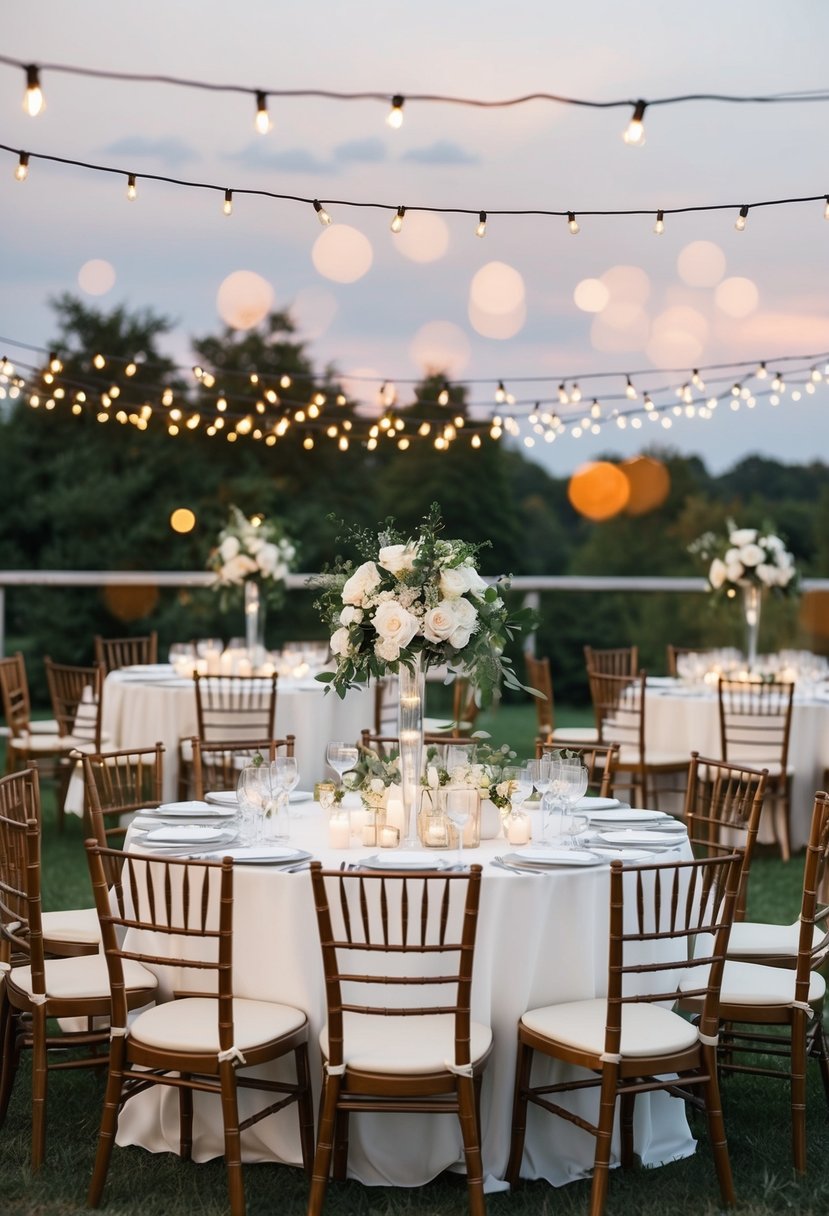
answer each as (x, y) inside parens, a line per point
(169, 150)
(362, 151)
(442, 152)
(291, 160)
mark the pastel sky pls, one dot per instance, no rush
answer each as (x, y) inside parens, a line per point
(509, 307)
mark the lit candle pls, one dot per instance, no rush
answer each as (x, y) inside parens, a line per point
(267, 669)
(409, 737)
(436, 834)
(394, 814)
(244, 667)
(339, 832)
(225, 664)
(389, 837)
(518, 829)
(212, 658)
(410, 702)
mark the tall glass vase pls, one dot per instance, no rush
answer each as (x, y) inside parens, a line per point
(752, 603)
(410, 732)
(254, 623)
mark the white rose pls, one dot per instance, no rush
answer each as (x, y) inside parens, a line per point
(751, 555)
(396, 558)
(376, 785)
(767, 574)
(717, 574)
(340, 642)
(477, 586)
(459, 638)
(466, 614)
(734, 571)
(387, 649)
(432, 777)
(351, 616)
(454, 582)
(394, 623)
(785, 576)
(362, 582)
(268, 559)
(228, 548)
(731, 557)
(784, 559)
(743, 536)
(439, 622)
(237, 568)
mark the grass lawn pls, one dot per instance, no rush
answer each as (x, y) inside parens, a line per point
(756, 1112)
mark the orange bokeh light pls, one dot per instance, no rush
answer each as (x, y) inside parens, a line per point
(650, 484)
(598, 490)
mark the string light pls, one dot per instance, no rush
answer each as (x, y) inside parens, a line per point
(826, 209)
(480, 230)
(630, 391)
(22, 170)
(395, 115)
(500, 393)
(322, 215)
(443, 395)
(132, 188)
(659, 226)
(572, 223)
(262, 121)
(741, 219)
(634, 134)
(397, 222)
(33, 102)
(227, 205)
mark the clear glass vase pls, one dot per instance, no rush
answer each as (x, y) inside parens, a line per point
(410, 733)
(254, 623)
(752, 603)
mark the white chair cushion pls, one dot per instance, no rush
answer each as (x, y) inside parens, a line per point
(44, 726)
(43, 743)
(753, 984)
(84, 978)
(647, 1030)
(405, 1045)
(192, 1024)
(575, 734)
(185, 750)
(77, 925)
(630, 755)
(754, 938)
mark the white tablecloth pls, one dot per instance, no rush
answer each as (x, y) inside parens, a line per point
(682, 717)
(139, 712)
(540, 939)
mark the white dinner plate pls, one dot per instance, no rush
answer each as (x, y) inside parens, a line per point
(208, 812)
(265, 855)
(596, 804)
(301, 796)
(539, 855)
(183, 810)
(186, 833)
(222, 798)
(397, 860)
(623, 854)
(148, 669)
(638, 836)
(630, 815)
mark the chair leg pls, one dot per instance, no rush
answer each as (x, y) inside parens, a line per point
(232, 1138)
(604, 1134)
(185, 1121)
(626, 1109)
(305, 1107)
(818, 1049)
(9, 1057)
(109, 1122)
(523, 1068)
(471, 1133)
(325, 1136)
(340, 1170)
(799, 1090)
(716, 1128)
(39, 1086)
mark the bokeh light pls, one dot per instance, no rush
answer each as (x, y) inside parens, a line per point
(497, 288)
(649, 482)
(313, 310)
(701, 264)
(96, 277)
(591, 295)
(127, 603)
(497, 325)
(342, 254)
(598, 490)
(627, 284)
(244, 299)
(677, 338)
(737, 297)
(423, 238)
(182, 520)
(440, 346)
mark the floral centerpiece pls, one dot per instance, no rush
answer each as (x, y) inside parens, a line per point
(750, 561)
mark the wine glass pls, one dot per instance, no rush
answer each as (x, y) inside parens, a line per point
(573, 779)
(253, 793)
(341, 757)
(284, 776)
(456, 805)
(542, 776)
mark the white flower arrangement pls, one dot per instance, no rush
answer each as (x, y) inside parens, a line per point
(746, 557)
(417, 599)
(253, 548)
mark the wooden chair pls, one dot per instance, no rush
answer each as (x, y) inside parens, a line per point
(29, 742)
(233, 709)
(77, 703)
(723, 805)
(617, 661)
(195, 1043)
(790, 1000)
(126, 652)
(600, 760)
(216, 766)
(397, 951)
(37, 989)
(672, 653)
(117, 785)
(539, 676)
(755, 724)
(619, 706)
(630, 1040)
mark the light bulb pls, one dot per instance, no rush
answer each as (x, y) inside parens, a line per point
(262, 122)
(227, 205)
(481, 227)
(575, 394)
(22, 170)
(322, 215)
(761, 372)
(443, 396)
(826, 209)
(33, 101)
(741, 219)
(634, 133)
(397, 222)
(563, 397)
(395, 115)
(572, 223)
(55, 364)
(630, 391)
(659, 226)
(500, 392)
(99, 362)
(132, 189)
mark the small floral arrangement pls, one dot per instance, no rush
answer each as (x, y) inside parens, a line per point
(744, 557)
(253, 548)
(416, 599)
(484, 774)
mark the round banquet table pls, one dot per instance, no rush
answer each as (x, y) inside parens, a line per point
(541, 939)
(141, 709)
(682, 717)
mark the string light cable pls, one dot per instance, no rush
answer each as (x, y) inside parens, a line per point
(25, 159)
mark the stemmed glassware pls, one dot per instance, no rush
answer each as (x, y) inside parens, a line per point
(456, 807)
(285, 775)
(341, 757)
(569, 784)
(256, 797)
(542, 774)
(520, 783)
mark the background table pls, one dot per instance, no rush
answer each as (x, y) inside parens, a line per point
(140, 710)
(540, 939)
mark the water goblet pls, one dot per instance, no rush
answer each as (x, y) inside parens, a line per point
(252, 795)
(284, 777)
(456, 804)
(341, 757)
(520, 781)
